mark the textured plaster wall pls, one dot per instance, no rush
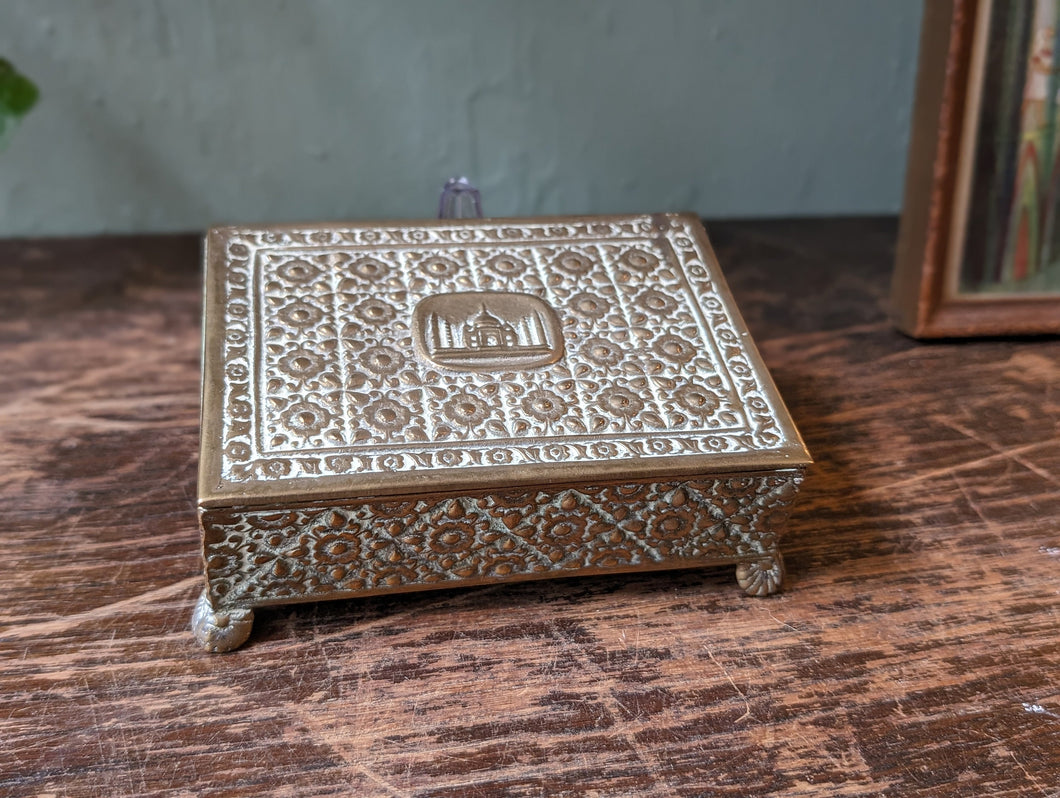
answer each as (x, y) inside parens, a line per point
(178, 114)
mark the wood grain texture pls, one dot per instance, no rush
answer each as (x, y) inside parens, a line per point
(915, 652)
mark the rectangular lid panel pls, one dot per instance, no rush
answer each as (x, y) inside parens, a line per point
(394, 358)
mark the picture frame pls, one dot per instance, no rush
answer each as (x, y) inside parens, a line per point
(978, 250)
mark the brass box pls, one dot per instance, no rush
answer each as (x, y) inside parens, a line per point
(391, 407)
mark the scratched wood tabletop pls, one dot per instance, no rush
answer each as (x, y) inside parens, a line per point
(916, 650)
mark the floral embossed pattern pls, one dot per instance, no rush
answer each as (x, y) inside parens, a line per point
(321, 377)
(263, 556)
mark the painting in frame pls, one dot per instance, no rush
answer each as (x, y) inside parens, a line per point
(979, 242)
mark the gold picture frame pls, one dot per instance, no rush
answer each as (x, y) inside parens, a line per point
(979, 242)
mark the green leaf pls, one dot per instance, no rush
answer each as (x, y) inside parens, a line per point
(17, 92)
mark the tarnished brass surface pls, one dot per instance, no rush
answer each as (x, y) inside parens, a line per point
(406, 406)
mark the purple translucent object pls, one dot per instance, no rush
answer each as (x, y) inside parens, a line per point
(459, 200)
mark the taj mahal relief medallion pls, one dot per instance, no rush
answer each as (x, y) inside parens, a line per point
(394, 407)
(487, 331)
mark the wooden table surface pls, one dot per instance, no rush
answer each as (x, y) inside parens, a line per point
(915, 652)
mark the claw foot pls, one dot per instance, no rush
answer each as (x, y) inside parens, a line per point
(220, 631)
(761, 577)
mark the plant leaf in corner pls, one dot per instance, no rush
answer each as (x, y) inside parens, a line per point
(17, 92)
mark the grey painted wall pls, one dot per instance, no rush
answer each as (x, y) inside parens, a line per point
(178, 114)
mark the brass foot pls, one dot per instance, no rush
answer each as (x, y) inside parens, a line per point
(220, 631)
(761, 577)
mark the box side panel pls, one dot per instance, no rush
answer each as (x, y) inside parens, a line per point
(257, 557)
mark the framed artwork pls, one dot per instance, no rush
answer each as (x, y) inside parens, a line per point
(979, 242)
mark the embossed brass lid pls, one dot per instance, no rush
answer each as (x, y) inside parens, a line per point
(360, 360)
